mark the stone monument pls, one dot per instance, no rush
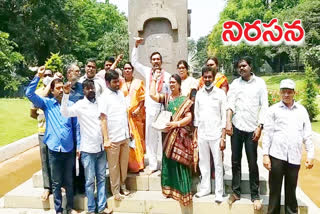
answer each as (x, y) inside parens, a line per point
(164, 25)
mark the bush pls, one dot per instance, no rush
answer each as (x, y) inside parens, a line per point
(310, 94)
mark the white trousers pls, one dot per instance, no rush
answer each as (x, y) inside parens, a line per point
(153, 142)
(205, 146)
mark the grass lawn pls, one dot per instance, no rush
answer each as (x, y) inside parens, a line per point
(15, 120)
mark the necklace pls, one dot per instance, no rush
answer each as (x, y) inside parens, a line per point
(128, 87)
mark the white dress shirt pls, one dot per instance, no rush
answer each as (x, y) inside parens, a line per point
(285, 130)
(88, 117)
(210, 113)
(99, 84)
(152, 107)
(113, 105)
(248, 101)
(188, 84)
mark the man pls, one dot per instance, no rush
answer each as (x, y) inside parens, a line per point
(153, 137)
(220, 80)
(247, 103)
(38, 114)
(115, 131)
(76, 93)
(109, 64)
(210, 120)
(287, 126)
(59, 137)
(91, 148)
(73, 75)
(91, 70)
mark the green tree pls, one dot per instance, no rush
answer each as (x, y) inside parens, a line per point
(54, 63)
(309, 100)
(9, 69)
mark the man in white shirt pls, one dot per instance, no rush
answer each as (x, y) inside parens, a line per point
(210, 120)
(91, 70)
(93, 156)
(287, 127)
(247, 103)
(153, 137)
(115, 131)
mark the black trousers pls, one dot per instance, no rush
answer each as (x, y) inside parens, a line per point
(45, 166)
(280, 169)
(238, 139)
(61, 165)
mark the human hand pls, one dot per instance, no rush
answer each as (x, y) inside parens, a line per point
(256, 134)
(267, 162)
(67, 88)
(229, 129)
(135, 112)
(139, 40)
(119, 57)
(106, 143)
(222, 144)
(78, 154)
(41, 71)
(172, 125)
(309, 163)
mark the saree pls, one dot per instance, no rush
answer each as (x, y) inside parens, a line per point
(134, 94)
(176, 179)
(220, 81)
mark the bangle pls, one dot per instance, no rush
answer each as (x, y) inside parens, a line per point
(224, 140)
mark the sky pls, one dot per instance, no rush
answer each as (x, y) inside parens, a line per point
(205, 14)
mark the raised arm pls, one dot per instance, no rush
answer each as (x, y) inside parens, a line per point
(116, 62)
(30, 92)
(153, 91)
(67, 111)
(141, 69)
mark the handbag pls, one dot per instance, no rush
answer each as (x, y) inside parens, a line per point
(162, 119)
(182, 150)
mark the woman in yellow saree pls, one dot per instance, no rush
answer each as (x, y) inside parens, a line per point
(177, 159)
(134, 92)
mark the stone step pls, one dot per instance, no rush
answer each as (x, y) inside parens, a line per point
(154, 202)
(143, 182)
(27, 197)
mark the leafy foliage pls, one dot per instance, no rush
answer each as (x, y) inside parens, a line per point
(9, 69)
(309, 100)
(54, 63)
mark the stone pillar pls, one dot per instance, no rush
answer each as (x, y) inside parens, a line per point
(164, 26)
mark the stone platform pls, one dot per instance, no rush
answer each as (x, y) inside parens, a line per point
(146, 196)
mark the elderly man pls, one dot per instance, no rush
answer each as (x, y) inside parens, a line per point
(287, 127)
(247, 103)
(153, 137)
(73, 75)
(91, 70)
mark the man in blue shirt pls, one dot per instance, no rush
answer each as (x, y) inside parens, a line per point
(59, 137)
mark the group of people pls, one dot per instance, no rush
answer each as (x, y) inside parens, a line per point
(105, 119)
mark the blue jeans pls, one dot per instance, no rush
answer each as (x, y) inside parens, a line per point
(95, 167)
(61, 165)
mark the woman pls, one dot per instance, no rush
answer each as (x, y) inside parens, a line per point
(187, 82)
(176, 166)
(220, 80)
(133, 90)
